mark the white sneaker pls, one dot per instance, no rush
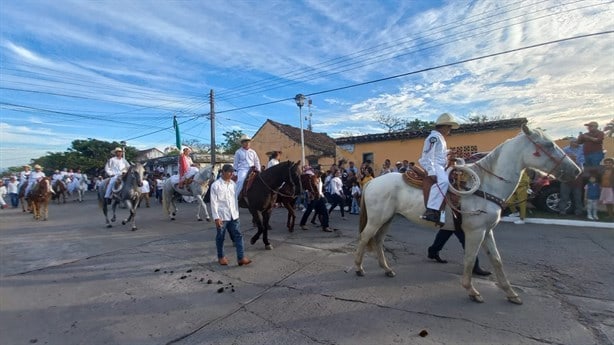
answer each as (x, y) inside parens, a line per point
(515, 214)
(519, 221)
(595, 217)
(590, 217)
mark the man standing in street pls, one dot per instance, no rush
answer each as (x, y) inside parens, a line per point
(593, 145)
(225, 213)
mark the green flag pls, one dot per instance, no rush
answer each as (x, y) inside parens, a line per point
(177, 134)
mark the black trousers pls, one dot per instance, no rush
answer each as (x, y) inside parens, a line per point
(319, 205)
(444, 235)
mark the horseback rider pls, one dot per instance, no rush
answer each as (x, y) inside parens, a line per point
(24, 175)
(115, 167)
(34, 178)
(57, 176)
(185, 162)
(434, 159)
(245, 159)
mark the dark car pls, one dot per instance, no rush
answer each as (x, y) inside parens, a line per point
(546, 191)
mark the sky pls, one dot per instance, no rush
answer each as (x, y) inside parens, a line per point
(120, 70)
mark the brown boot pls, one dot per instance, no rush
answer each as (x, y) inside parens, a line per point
(244, 261)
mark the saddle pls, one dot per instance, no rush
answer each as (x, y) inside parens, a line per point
(416, 176)
(249, 180)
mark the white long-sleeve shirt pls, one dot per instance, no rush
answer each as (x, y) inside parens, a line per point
(224, 203)
(336, 186)
(434, 153)
(245, 159)
(115, 166)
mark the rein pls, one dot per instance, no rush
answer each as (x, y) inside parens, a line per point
(276, 190)
(542, 149)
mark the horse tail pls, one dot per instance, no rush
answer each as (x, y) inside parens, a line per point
(363, 214)
(372, 244)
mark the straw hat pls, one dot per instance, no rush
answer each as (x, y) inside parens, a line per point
(446, 119)
(244, 137)
(117, 149)
(36, 166)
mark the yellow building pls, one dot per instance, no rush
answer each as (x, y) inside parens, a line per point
(320, 149)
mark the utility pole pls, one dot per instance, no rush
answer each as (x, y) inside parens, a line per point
(309, 116)
(212, 116)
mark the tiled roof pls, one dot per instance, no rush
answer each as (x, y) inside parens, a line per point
(404, 135)
(316, 141)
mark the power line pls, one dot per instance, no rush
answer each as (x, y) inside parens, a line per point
(424, 70)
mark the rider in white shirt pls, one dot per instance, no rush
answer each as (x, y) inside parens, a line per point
(434, 160)
(35, 177)
(114, 168)
(245, 158)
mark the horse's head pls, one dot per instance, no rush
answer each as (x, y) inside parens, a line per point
(136, 172)
(545, 155)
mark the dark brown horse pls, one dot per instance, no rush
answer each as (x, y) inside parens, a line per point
(262, 194)
(39, 197)
(287, 196)
(60, 190)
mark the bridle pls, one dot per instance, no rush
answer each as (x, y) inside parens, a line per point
(537, 153)
(276, 190)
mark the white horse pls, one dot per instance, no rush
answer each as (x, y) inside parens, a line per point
(197, 188)
(79, 187)
(499, 173)
(128, 191)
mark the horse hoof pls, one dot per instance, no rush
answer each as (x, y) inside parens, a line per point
(123, 222)
(172, 218)
(134, 228)
(360, 273)
(208, 219)
(390, 274)
(199, 219)
(268, 247)
(109, 226)
(476, 298)
(515, 300)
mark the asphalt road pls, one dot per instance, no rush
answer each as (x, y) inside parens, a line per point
(70, 280)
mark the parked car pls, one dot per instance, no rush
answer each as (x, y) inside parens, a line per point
(546, 190)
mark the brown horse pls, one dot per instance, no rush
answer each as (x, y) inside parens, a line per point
(60, 190)
(261, 195)
(287, 196)
(39, 197)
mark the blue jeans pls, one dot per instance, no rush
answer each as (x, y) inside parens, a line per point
(14, 199)
(232, 226)
(593, 159)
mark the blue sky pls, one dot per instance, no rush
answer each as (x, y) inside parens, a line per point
(120, 70)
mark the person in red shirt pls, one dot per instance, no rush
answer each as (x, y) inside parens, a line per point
(593, 145)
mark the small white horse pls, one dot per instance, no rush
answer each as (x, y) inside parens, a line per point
(499, 173)
(197, 188)
(79, 186)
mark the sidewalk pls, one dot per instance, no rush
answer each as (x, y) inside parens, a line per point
(567, 222)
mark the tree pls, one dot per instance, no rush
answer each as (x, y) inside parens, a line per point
(197, 146)
(232, 143)
(419, 125)
(392, 123)
(89, 155)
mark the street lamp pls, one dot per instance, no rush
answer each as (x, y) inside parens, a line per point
(300, 101)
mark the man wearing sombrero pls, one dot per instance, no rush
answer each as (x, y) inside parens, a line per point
(245, 158)
(34, 178)
(115, 167)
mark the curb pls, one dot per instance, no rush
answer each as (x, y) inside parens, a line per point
(568, 222)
